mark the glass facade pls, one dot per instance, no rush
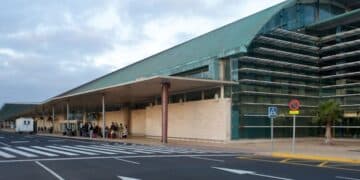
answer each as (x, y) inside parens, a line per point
(287, 61)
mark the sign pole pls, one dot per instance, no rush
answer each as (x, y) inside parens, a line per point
(272, 134)
(293, 140)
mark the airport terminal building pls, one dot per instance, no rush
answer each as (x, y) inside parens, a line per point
(219, 85)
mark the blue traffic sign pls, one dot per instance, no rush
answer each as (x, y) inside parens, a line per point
(272, 112)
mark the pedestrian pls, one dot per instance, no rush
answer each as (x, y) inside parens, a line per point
(95, 132)
(106, 132)
(91, 130)
(121, 129)
(81, 129)
(125, 134)
(86, 129)
(112, 130)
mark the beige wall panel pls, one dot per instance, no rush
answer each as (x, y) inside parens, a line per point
(137, 122)
(207, 119)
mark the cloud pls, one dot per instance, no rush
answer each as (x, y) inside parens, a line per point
(10, 53)
(47, 47)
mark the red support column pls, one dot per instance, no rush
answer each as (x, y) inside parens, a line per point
(164, 99)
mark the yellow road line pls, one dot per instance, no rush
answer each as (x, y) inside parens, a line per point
(285, 160)
(298, 164)
(323, 164)
(315, 157)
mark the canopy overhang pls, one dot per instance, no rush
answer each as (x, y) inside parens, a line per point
(138, 90)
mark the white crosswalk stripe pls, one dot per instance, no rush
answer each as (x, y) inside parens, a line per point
(22, 153)
(73, 150)
(6, 155)
(107, 149)
(38, 151)
(90, 150)
(55, 151)
(139, 147)
(134, 150)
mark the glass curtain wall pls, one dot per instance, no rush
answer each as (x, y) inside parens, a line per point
(282, 63)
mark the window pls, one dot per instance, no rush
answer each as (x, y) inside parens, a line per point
(193, 96)
(210, 94)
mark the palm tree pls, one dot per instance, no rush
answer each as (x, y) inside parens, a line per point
(327, 113)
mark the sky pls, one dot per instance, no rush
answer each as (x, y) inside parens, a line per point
(49, 46)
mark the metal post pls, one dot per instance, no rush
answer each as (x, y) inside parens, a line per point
(164, 104)
(272, 134)
(293, 140)
(53, 117)
(103, 116)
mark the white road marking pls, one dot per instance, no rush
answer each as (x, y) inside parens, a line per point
(106, 149)
(347, 178)
(15, 142)
(90, 150)
(38, 151)
(133, 162)
(127, 178)
(73, 150)
(19, 152)
(151, 151)
(138, 151)
(4, 144)
(161, 150)
(112, 157)
(242, 172)
(56, 140)
(55, 151)
(207, 159)
(49, 170)
(6, 155)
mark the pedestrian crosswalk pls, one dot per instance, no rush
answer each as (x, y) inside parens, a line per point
(13, 152)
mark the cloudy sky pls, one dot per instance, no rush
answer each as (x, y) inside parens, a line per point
(48, 46)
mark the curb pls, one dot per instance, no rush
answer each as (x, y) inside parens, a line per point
(315, 157)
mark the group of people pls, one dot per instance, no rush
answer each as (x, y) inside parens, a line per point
(93, 131)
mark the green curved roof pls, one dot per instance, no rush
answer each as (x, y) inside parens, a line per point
(11, 110)
(229, 39)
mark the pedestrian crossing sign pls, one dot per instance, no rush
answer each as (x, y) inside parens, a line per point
(272, 112)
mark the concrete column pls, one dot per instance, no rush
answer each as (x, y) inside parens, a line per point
(53, 117)
(103, 116)
(67, 114)
(222, 92)
(165, 98)
(222, 69)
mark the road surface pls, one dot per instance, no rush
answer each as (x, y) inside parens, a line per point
(39, 157)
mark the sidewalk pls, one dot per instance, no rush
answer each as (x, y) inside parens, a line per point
(343, 150)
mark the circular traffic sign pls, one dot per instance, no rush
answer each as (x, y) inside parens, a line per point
(294, 105)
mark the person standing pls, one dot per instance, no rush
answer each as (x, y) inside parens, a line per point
(91, 130)
(121, 130)
(112, 130)
(125, 134)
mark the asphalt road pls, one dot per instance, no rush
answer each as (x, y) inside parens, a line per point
(38, 157)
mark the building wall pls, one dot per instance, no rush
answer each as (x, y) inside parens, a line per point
(137, 122)
(121, 116)
(208, 120)
(205, 120)
(58, 118)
